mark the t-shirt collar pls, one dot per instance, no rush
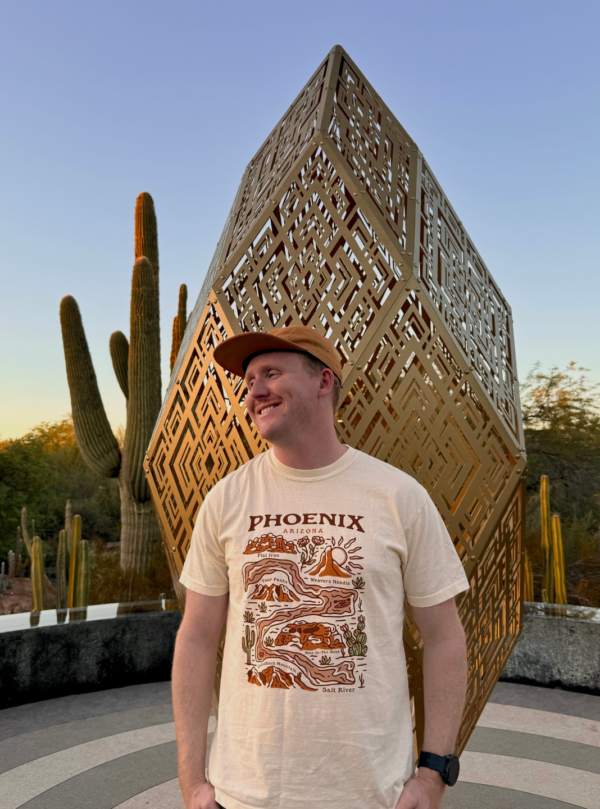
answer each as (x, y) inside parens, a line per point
(323, 472)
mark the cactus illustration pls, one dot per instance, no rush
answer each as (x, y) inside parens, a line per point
(558, 562)
(268, 641)
(248, 643)
(62, 593)
(361, 679)
(546, 523)
(262, 606)
(37, 575)
(528, 578)
(137, 368)
(358, 583)
(179, 324)
(356, 641)
(325, 661)
(249, 617)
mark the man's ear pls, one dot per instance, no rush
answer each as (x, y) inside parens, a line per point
(326, 382)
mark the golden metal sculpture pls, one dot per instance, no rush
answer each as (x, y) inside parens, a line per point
(340, 224)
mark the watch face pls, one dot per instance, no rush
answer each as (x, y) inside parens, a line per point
(452, 770)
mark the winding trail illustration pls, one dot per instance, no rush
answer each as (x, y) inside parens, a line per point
(324, 601)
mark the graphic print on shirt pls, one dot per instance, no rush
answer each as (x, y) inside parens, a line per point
(304, 623)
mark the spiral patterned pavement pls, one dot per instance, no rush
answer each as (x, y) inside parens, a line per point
(534, 748)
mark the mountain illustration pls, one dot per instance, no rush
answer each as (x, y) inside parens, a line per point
(273, 592)
(269, 542)
(328, 566)
(274, 677)
(309, 636)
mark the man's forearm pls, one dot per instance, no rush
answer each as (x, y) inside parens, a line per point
(194, 666)
(445, 684)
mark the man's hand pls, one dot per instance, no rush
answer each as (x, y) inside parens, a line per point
(201, 796)
(424, 791)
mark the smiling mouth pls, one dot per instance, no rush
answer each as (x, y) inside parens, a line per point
(264, 410)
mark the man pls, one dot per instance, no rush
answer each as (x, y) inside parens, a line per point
(309, 551)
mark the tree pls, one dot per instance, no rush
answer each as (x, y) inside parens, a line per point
(42, 470)
(562, 435)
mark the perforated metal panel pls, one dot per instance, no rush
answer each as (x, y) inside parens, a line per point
(339, 224)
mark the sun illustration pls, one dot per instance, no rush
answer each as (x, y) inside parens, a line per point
(338, 560)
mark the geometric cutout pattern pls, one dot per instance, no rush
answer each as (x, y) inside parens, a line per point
(339, 224)
(317, 259)
(472, 307)
(205, 434)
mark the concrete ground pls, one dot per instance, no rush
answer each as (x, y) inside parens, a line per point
(534, 748)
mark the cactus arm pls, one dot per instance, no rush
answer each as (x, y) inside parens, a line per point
(76, 539)
(146, 230)
(61, 572)
(119, 354)
(146, 244)
(143, 405)
(37, 575)
(96, 441)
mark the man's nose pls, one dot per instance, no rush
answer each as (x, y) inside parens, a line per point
(259, 388)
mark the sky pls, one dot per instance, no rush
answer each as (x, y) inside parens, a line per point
(102, 100)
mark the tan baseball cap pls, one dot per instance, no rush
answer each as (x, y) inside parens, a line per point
(232, 353)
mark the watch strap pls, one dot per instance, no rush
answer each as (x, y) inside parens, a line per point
(432, 762)
(447, 766)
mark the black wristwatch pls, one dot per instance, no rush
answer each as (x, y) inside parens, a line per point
(447, 766)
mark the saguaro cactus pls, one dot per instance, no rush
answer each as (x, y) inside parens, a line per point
(137, 368)
(62, 594)
(179, 324)
(37, 575)
(75, 541)
(547, 578)
(68, 525)
(18, 553)
(82, 585)
(47, 584)
(528, 578)
(11, 564)
(558, 562)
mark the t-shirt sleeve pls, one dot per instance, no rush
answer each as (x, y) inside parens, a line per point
(433, 571)
(205, 570)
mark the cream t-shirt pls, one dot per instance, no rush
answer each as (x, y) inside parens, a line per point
(317, 564)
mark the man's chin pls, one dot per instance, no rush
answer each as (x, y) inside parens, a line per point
(278, 434)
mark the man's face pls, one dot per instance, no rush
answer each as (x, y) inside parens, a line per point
(282, 398)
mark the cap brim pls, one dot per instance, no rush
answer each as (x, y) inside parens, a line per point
(232, 353)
